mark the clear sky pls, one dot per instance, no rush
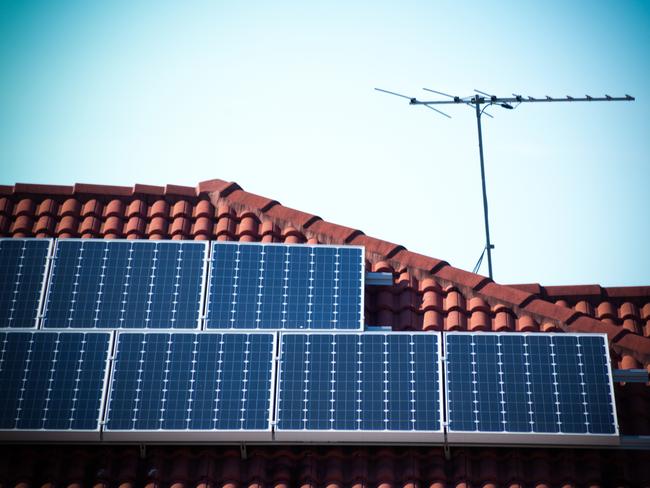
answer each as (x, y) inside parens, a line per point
(278, 96)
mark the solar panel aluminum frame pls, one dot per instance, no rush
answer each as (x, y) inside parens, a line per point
(72, 435)
(44, 283)
(202, 291)
(532, 438)
(281, 244)
(192, 436)
(362, 436)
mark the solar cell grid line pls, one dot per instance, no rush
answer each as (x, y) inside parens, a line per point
(529, 388)
(280, 286)
(359, 387)
(53, 385)
(23, 275)
(191, 386)
(125, 284)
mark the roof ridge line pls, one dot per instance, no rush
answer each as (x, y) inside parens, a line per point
(471, 284)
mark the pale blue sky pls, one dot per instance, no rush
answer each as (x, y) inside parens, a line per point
(279, 97)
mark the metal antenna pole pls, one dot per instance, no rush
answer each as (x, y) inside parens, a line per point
(482, 98)
(488, 244)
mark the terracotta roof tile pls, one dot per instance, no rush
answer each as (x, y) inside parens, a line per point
(333, 233)
(139, 189)
(217, 187)
(84, 188)
(193, 467)
(40, 189)
(303, 220)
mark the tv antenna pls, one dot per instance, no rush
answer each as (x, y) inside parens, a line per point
(479, 102)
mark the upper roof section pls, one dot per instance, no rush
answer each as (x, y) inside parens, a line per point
(428, 293)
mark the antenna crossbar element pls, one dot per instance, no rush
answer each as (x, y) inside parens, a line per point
(519, 99)
(483, 99)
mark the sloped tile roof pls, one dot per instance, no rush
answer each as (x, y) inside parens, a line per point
(427, 294)
(309, 467)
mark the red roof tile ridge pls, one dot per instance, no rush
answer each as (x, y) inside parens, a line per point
(471, 284)
(584, 291)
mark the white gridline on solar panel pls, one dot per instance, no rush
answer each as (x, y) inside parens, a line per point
(385, 392)
(125, 285)
(17, 285)
(286, 270)
(122, 433)
(6, 433)
(528, 383)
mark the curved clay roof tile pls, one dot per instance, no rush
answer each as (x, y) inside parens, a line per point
(454, 301)
(159, 209)
(181, 209)
(137, 208)
(115, 208)
(26, 206)
(47, 207)
(456, 321)
(526, 323)
(92, 208)
(6, 205)
(90, 227)
(583, 306)
(135, 227)
(180, 227)
(22, 226)
(225, 227)
(479, 320)
(203, 208)
(248, 226)
(71, 206)
(45, 226)
(628, 311)
(503, 321)
(113, 226)
(157, 228)
(606, 310)
(432, 320)
(203, 227)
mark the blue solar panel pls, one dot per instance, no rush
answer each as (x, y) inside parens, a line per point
(556, 387)
(52, 384)
(125, 284)
(171, 386)
(339, 386)
(272, 286)
(23, 271)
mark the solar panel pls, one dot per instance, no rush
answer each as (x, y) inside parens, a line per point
(276, 286)
(52, 384)
(23, 272)
(126, 284)
(529, 388)
(191, 386)
(359, 387)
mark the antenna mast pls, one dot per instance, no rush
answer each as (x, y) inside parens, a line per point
(479, 102)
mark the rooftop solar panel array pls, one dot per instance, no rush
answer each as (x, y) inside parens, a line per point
(333, 384)
(529, 388)
(188, 386)
(52, 384)
(125, 284)
(337, 387)
(270, 286)
(23, 272)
